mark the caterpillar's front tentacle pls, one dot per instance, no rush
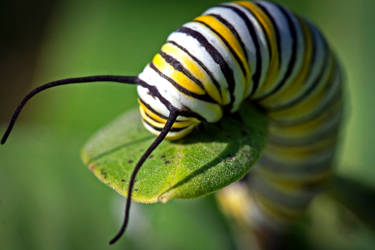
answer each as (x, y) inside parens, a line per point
(168, 126)
(86, 79)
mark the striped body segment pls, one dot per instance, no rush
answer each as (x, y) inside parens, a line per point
(263, 53)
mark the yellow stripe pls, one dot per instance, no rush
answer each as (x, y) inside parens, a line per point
(307, 127)
(171, 135)
(308, 104)
(294, 183)
(149, 120)
(180, 134)
(232, 41)
(194, 69)
(293, 152)
(270, 32)
(179, 77)
(159, 122)
(150, 113)
(275, 209)
(292, 89)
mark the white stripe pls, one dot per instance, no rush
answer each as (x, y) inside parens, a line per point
(210, 111)
(153, 102)
(300, 54)
(239, 77)
(326, 125)
(241, 28)
(262, 41)
(285, 37)
(195, 49)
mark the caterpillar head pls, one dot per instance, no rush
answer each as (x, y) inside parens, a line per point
(166, 84)
(155, 110)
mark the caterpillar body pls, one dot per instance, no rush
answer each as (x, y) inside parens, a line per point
(243, 51)
(263, 53)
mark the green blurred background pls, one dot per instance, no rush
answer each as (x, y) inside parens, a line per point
(49, 200)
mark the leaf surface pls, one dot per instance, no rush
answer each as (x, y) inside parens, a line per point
(211, 157)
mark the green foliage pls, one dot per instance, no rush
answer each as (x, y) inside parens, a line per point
(49, 200)
(213, 156)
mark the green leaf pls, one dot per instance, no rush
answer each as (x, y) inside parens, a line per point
(211, 157)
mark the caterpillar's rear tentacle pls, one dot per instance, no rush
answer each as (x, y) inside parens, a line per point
(168, 126)
(77, 80)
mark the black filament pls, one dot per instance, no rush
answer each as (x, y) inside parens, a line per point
(171, 119)
(86, 79)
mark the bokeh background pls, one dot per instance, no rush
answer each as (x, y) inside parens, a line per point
(49, 199)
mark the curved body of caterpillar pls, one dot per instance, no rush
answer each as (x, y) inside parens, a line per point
(263, 53)
(235, 52)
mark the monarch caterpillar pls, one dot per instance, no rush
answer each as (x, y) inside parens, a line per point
(234, 52)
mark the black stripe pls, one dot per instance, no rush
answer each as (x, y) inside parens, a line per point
(279, 141)
(152, 110)
(293, 58)
(160, 129)
(155, 93)
(234, 32)
(179, 67)
(176, 122)
(310, 69)
(312, 143)
(276, 29)
(317, 113)
(146, 114)
(205, 97)
(216, 56)
(255, 38)
(235, 55)
(312, 148)
(264, 32)
(310, 90)
(314, 52)
(209, 73)
(296, 202)
(280, 167)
